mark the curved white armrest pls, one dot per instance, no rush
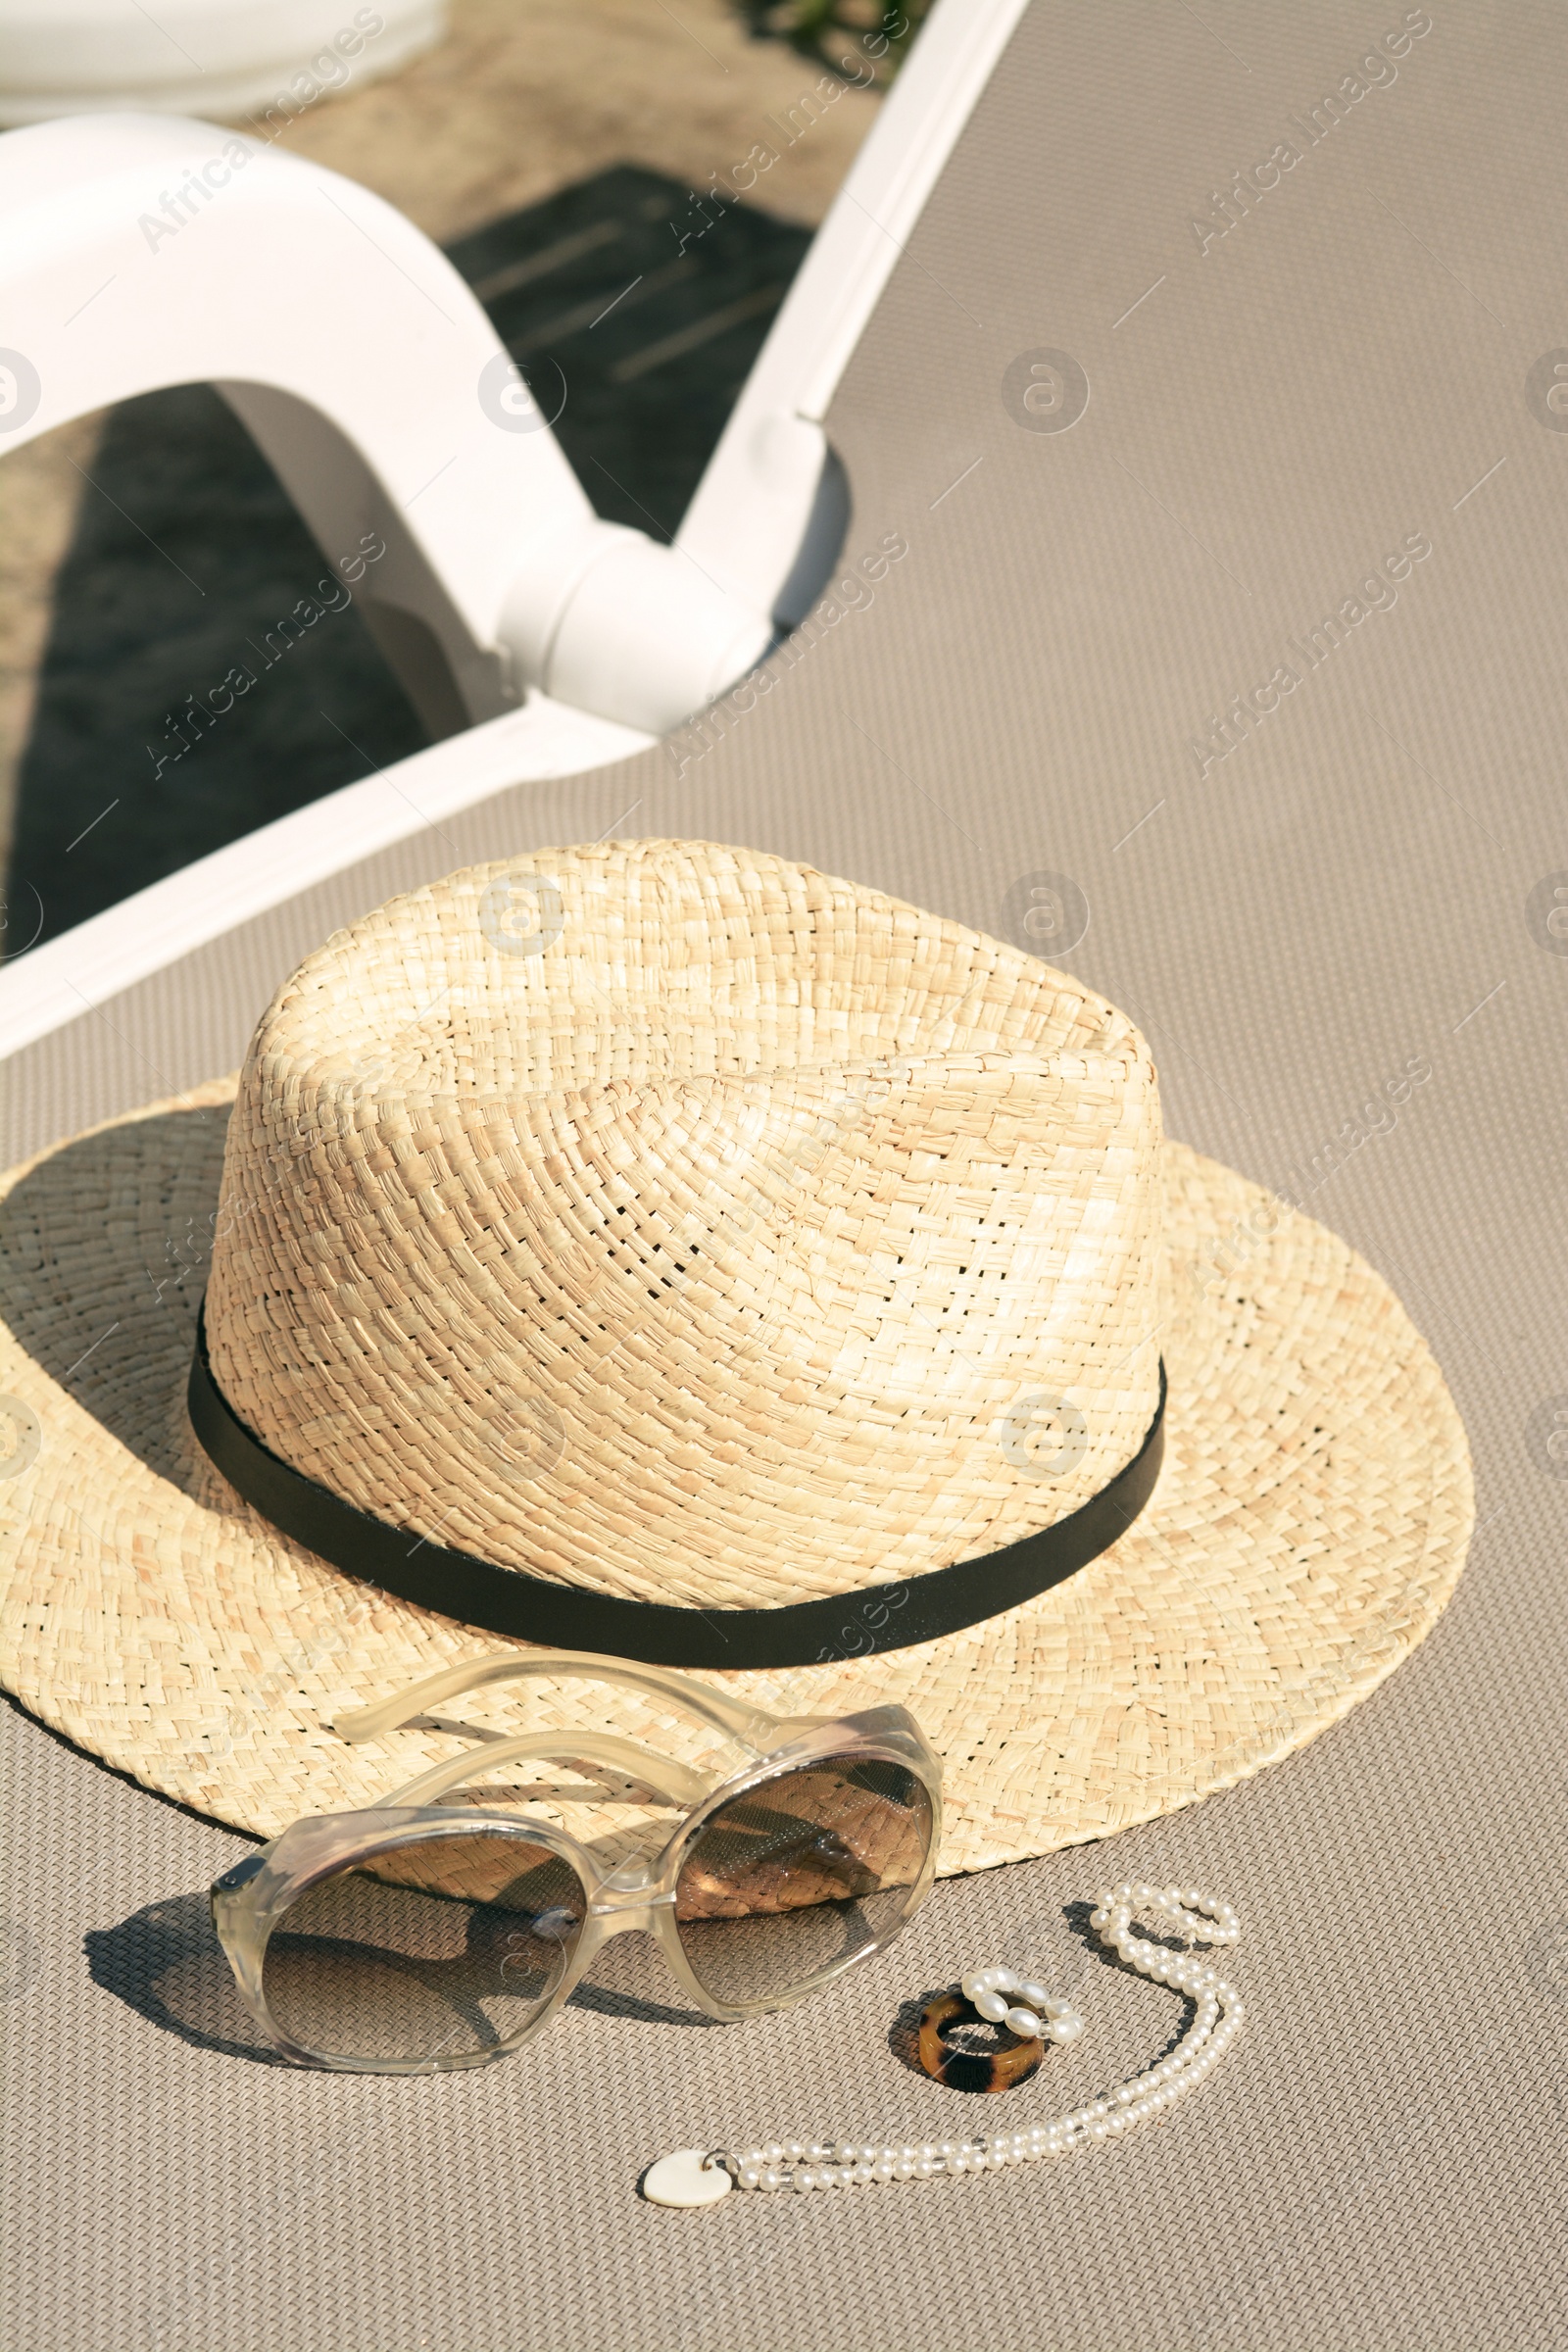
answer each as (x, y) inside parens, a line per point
(137, 251)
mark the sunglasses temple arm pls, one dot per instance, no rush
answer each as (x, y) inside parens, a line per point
(672, 1779)
(740, 1721)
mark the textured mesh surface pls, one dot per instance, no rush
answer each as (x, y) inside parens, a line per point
(1348, 891)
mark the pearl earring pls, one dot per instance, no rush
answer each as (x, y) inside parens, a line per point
(701, 2176)
(994, 1996)
(1024, 2007)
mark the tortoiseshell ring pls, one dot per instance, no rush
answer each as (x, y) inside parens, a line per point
(1002, 2069)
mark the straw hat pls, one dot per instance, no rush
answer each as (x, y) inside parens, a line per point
(660, 1236)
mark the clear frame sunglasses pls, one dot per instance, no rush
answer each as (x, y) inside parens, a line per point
(409, 1936)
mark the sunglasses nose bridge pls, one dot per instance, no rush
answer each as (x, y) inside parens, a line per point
(618, 1909)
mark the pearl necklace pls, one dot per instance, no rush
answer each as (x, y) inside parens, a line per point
(1146, 2097)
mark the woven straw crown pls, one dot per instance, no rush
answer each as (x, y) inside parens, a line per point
(683, 1224)
(688, 1227)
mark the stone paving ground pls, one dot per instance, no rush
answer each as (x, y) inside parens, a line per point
(575, 129)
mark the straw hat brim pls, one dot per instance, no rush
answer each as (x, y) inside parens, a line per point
(1310, 1523)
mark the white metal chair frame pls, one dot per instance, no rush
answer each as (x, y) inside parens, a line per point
(138, 251)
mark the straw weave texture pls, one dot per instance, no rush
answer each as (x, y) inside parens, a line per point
(1380, 2166)
(420, 1263)
(705, 1254)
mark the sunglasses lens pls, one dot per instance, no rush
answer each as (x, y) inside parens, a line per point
(442, 1948)
(785, 1885)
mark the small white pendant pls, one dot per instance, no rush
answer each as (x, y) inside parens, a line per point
(686, 2178)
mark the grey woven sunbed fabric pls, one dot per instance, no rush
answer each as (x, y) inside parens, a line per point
(1337, 372)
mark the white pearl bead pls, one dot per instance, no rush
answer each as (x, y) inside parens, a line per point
(1036, 2013)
